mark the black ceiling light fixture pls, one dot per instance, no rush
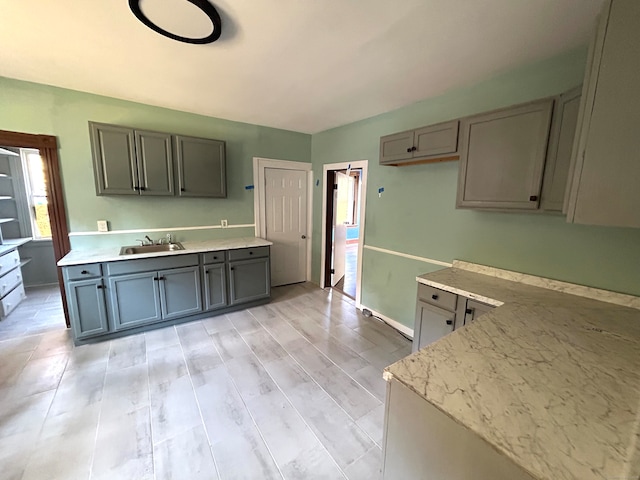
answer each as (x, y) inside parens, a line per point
(207, 8)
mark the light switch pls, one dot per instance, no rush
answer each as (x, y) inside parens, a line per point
(103, 226)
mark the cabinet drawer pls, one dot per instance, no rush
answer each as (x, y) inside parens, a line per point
(214, 257)
(9, 281)
(9, 261)
(151, 264)
(11, 301)
(435, 296)
(248, 253)
(80, 272)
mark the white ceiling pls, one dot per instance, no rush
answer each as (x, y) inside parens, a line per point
(303, 65)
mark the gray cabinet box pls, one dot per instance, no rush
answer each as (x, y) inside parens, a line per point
(215, 286)
(604, 180)
(502, 157)
(423, 143)
(135, 300)
(201, 167)
(131, 162)
(249, 280)
(87, 308)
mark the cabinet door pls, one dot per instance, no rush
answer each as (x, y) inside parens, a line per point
(436, 140)
(398, 146)
(87, 309)
(605, 189)
(135, 300)
(432, 323)
(215, 286)
(249, 280)
(474, 309)
(155, 163)
(563, 131)
(180, 292)
(201, 167)
(114, 164)
(502, 157)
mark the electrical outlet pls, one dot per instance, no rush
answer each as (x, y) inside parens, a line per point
(224, 223)
(103, 226)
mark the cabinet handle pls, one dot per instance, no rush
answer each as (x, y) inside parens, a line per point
(231, 268)
(408, 150)
(156, 278)
(136, 188)
(449, 322)
(84, 272)
(142, 188)
(434, 296)
(162, 278)
(533, 198)
(413, 149)
(182, 189)
(250, 253)
(99, 287)
(304, 237)
(215, 258)
(468, 311)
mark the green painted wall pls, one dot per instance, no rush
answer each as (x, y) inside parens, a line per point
(417, 215)
(34, 108)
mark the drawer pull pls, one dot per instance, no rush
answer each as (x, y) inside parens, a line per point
(449, 322)
(99, 287)
(250, 253)
(84, 272)
(434, 296)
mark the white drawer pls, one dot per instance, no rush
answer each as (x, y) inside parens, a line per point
(9, 281)
(9, 261)
(11, 301)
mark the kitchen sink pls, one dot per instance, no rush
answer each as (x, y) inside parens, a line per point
(165, 247)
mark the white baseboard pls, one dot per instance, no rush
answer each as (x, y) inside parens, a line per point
(395, 324)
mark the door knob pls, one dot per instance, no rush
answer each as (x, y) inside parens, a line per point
(303, 237)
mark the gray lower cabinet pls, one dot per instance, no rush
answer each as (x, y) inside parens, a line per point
(87, 307)
(439, 313)
(604, 179)
(112, 298)
(149, 297)
(180, 292)
(422, 442)
(215, 286)
(135, 300)
(503, 156)
(249, 280)
(201, 167)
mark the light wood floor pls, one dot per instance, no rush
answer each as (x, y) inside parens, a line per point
(289, 390)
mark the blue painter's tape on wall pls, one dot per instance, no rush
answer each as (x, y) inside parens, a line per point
(248, 187)
(317, 182)
(381, 189)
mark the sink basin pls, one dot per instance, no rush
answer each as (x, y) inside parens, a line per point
(165, 247)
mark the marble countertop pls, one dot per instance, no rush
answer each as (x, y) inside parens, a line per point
(550, 379)
(81, 257)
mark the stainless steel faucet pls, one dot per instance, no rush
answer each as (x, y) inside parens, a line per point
(148, 239)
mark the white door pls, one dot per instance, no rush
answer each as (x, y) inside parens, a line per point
(340, 215)
(286, 224)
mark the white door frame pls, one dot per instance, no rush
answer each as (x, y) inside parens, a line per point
(364, 165)
(260, 197)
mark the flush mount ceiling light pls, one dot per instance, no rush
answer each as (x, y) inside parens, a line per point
(207, 8)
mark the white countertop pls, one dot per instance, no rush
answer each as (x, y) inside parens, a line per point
(550, 379)
(81, 257)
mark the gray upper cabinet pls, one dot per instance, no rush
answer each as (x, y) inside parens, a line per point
(201, 167)
(155, 163)
(114, 164)
(563, 130)
(502, 157)
(131, 162)
(604, 182)
(424, 143)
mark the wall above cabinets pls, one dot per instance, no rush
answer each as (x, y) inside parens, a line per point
(128, 161)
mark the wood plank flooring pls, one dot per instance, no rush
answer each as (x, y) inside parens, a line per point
(292, 389)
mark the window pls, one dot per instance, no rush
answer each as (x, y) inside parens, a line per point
(36, 190)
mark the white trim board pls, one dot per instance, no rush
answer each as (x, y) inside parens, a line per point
(411, 257)
(151, 230)
(364, 165)
(259, 198)
(393, 323)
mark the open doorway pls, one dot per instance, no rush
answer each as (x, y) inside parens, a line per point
(33, 230)
(344, 200)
